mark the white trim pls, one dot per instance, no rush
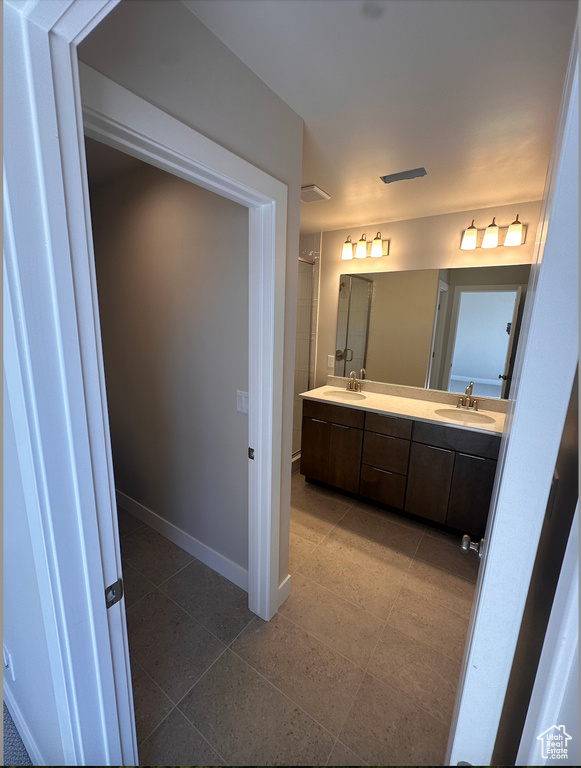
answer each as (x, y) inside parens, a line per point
(555, 696)
(59, 358)
(127, 122)
(528, 452)
(222, 565)
(21, 726)
(284, 590)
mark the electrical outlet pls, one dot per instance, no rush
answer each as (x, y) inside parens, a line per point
(8, 663)
(330, 361)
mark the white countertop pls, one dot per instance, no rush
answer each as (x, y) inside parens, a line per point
(421, 410)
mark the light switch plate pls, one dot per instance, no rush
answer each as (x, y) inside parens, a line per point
(241, 401)
(330, 361)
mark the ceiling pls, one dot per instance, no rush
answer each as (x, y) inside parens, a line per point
(469, 89)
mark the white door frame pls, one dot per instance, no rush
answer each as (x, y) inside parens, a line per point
(454, 317)
(55, 365)
(543, 377)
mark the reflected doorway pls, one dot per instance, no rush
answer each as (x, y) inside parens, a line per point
(486, 324)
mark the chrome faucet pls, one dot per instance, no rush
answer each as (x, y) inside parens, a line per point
(466, 400)
(353, 385)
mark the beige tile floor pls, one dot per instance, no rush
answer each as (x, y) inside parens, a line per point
(359, 666)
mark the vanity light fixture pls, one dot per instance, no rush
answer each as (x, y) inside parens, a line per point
(490, 239)
(361, 250)
(469, 238)
(375, 249)
(514, 233)
(347, 252)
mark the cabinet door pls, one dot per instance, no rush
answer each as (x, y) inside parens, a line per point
(345, 457)
(383, 486)
(470, 494)
(429, 480)
(315, 449)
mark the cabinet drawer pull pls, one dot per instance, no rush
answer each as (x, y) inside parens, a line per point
(389, 437)
(435, 448)
(470, 456)
(341, 426)
(385, 472)
(320, 421)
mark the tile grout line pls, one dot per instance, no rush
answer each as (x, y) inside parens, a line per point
(318, 639)
(286, 695)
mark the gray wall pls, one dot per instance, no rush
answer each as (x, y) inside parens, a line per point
(172, 275)
(161, 52)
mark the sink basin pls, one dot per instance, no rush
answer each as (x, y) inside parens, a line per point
(461, 414)
(345, 395)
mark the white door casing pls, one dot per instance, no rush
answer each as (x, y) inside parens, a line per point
(56, 357)
(543, 377)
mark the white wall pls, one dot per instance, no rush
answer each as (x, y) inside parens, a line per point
(432, 242)
(163, 53)
(32, 692)
(172, 276)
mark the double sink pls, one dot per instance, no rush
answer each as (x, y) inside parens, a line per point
(415, 408)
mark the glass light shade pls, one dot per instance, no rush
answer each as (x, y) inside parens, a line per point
(347, 252)
(490, 239)
(361, 250)
(469, 238)
(376, 247)
(514, 233)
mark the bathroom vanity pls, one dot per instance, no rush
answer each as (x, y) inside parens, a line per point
(419, 457)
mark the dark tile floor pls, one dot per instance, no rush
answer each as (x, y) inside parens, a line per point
(359, 666)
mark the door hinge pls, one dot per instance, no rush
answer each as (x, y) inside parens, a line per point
(114, 593)
(251, 453)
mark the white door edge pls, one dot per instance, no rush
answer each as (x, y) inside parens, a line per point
(529, 448)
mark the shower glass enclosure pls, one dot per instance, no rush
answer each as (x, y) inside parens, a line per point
(355, 294)
(307, 306)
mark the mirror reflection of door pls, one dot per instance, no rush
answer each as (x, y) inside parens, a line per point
(355, 294)
(486, 330)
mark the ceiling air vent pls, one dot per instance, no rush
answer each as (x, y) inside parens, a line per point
(413, 174)
(312, 194)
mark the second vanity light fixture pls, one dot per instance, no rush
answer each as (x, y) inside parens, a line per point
(513, 235)
(378, 248)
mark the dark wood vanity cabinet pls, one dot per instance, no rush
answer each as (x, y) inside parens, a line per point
(451, 475)
(470, 493)
(429, 480)
(331, 443)
(440, 473)
(384, 466)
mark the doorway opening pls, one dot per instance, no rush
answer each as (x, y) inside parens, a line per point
(485, 329)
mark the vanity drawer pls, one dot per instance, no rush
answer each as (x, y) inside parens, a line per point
(454, 439)
(388, 425)
(386, 452)
(383, 486)
(337, 414)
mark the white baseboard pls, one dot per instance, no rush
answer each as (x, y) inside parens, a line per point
(296, 464)
(222, 565)
(284, 590)
(22, 728)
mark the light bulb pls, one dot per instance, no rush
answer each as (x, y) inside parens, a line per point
(490, 239)
(469, 238)
(376, 247)
(514, 233)
(347, 252)
(361, 250)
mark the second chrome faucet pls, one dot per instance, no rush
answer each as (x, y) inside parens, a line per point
(466, 400)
